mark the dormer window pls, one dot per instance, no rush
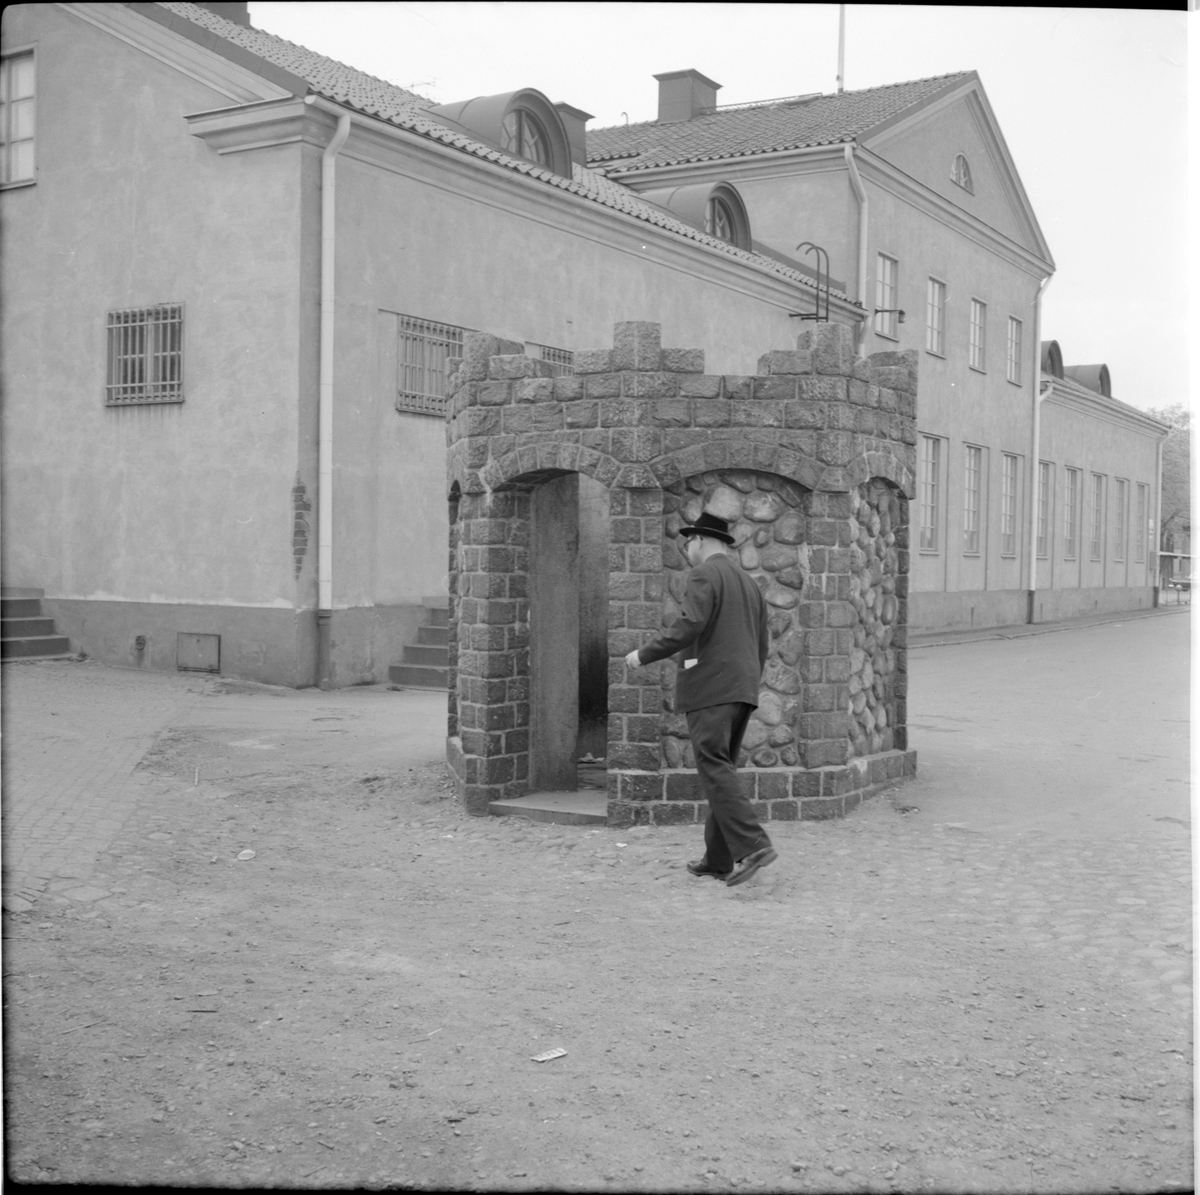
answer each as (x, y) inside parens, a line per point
(718, 220)
(522, 135)
(961, 174)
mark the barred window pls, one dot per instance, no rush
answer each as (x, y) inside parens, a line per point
(17, 101)
(935, 318)
(1008, 506)
(972, 487)
(1071, 515)
(1122, 519)
(1043, 508)
(561, 361)
(145, 355)
(425, 352)
(1097, 515)
(978, 334)
(1014, 350)
(931, 452)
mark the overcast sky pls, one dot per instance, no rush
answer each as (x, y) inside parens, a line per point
(1091, 101)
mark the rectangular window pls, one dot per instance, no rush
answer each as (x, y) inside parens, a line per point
(935, 318)
(931, 452)
(1014, 350)
(1097, 536)
(1122, 519)
(1139, 532)
(972, 473)
(1045, 475)
(425, 352)
(1008, 506)
(17, 102)
(145, 356)
(561, 361)
(886, 271)
(978, 356)
(1071, 515)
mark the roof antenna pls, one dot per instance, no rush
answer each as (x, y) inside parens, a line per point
(841, 76)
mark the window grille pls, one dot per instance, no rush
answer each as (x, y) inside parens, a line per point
(145, 355)
(886, 271)
(978, 334)
(1014, 350)
(1097, 515)
(1071, 516)
(1122, 519)
(972, 473)
(1008, 506)
(931, 451)
(961, 174)
(17, 102)
(424, 355)
(561, 361)
(1043, 507)
(1139, 532)
(935, 317)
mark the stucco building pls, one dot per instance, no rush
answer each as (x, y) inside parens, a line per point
(236, 270)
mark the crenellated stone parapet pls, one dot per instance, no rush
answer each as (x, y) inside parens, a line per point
(812, 460)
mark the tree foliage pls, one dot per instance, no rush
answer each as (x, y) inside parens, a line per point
(1177, 475)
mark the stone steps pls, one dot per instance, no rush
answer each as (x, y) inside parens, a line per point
(25, 632)
(425, 664)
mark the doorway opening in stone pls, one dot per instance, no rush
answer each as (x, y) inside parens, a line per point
(568, 635)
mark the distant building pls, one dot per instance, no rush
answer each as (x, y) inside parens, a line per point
(201, 348)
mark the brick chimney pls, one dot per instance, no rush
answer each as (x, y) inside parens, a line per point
(575, 122)
(239, 14)
(684, 94)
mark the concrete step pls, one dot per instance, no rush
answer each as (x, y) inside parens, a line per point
(37, 647)
(585, 808)
(437, 616)
(433, 636)
(415, 676)
(20, 607)
(431, 657)
(25, 628)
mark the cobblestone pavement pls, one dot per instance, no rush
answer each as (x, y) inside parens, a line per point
(950, 998)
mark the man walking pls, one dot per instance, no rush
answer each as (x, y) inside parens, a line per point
(722, 636)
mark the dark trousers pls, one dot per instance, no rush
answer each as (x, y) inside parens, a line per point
(732, 830)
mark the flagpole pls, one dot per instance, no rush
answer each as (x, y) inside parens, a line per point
(841, 75)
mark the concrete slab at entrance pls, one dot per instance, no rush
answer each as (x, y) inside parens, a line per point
(582, 808)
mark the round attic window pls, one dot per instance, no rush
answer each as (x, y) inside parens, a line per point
(522, 134)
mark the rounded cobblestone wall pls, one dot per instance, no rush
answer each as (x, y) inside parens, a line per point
(767, 518)
(878, 529)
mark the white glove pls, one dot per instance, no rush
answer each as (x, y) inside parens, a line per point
(632, 659)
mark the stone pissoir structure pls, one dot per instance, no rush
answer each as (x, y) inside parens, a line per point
(567, 495)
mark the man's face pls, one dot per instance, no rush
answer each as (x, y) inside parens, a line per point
(692, 551)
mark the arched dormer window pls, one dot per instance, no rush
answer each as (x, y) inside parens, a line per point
(714, 208)
(961, 174)
(522, 135)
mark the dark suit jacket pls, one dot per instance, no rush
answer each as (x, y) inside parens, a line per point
(724, 623)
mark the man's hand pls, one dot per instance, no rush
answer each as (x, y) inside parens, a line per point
(632, 659)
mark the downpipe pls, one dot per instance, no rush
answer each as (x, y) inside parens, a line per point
(1035, 451)
(860, 193)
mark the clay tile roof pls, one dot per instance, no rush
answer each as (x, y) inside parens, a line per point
(375, 97)
(761, 128)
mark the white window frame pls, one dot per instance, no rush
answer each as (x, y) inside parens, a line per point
(930, 493)
(1121, 541)
(887, 287)
(1045, 500)
(1097, 529)
(7, 115)
(144, 356)
(972, 498)
(1071, 513)
(1009, 473)
(935, 317)
(1014, 350)
(978, 336)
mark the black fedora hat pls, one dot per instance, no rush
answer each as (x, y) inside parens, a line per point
(711, 526)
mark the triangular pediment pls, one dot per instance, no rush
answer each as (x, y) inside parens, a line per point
(925, 141)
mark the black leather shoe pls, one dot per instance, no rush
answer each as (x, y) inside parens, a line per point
(750, 864)
(700, 868)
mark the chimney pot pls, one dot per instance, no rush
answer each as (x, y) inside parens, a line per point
(683, 95)
(575, 122)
